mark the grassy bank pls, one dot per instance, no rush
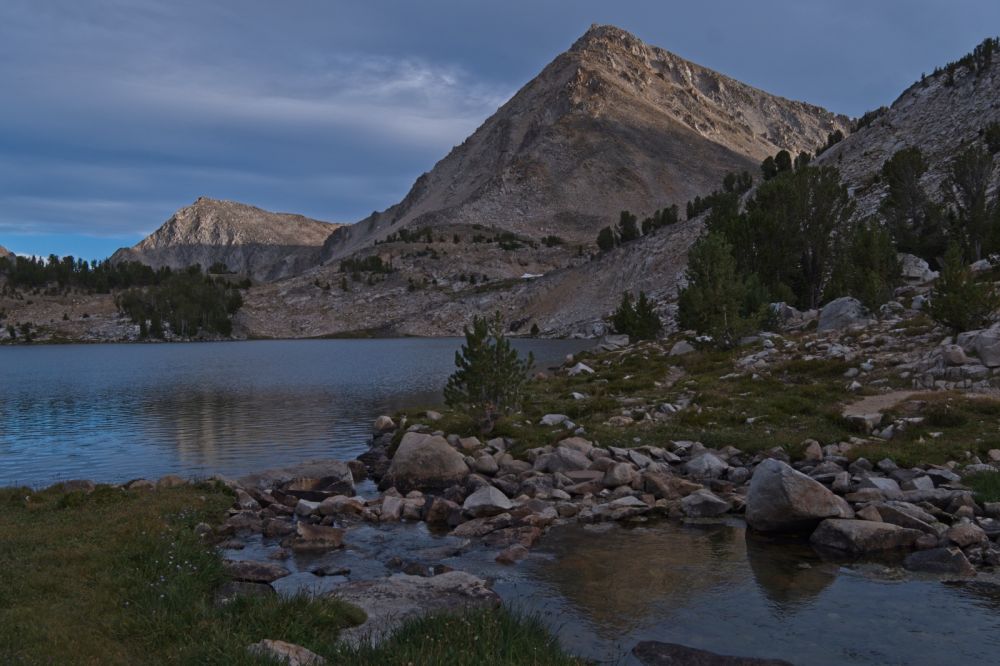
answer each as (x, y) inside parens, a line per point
(789, 402)
(120, 577)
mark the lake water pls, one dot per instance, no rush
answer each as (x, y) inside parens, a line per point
(604, 588)
(116, 412)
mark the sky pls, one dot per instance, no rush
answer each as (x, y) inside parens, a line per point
(115, 113)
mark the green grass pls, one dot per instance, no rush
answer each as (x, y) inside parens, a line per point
(985, 484)
(481, 637)
(954, 424)
(119, 577)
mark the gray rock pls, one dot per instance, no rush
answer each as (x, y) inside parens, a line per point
(780, 499)
(553, 419)
(841, 313)
(914, 269)
(983, 343)
(334, 477)
(391, 601)
(425, 462)
(858, 537)
(706, 466)
(681, 347)
(655, 653)
(704, 504)
(235, 589)
(619, 474)
(485, 464)
(950, 561)
(487, 501)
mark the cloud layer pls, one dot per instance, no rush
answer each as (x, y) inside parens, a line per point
(117, 112)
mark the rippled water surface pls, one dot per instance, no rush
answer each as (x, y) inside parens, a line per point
(115, 412)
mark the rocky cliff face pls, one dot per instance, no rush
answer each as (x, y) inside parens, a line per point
(611, 124)
(5, 253)
(942, 115)
(263, 245)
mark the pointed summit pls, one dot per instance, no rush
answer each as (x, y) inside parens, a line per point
(247, 239)
(611, 124)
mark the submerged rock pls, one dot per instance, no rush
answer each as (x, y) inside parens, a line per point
(655, 653)
(781, 499)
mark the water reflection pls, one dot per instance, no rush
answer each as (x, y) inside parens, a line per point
(112, 412)
(787, 572)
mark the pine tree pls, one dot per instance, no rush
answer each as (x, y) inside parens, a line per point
(490, 378)
(628, 228)
(957, 300)
(712, 302)
(606, 239)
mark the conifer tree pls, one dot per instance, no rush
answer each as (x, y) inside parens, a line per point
(490, 378)
(957, 300)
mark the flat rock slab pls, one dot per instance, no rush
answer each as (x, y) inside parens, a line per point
(876, 404)
(314, 469)
(858, 537)
(389, 602)
(250, 571)
(654, 653)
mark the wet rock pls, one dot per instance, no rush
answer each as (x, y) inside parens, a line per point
(949, 561)
(250, 571)
(285, 653)
(391, 510)
(509, 536)
(315, 538)
(704, 504)
(276, 527)
(655, 653)
(857, 537)
(391, 601)
(482, 526)
(322, 477)
(439, 512)
(234, 589)
(331, 570)
(511, 555)
(305, 508)
(487, 501)
(424, 462)
(781, 499)
(340, 505)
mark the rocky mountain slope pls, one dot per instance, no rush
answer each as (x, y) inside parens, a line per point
(250, 241)
(941, 114)
(611, 124)
(5, 253)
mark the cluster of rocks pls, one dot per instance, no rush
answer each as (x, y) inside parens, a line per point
(969, 361)
(479, 490)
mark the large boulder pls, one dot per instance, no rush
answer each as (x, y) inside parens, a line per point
(859, 537)
(424, 462)
(914, 269)
(781, 499)
(841, 313)
(983, 343)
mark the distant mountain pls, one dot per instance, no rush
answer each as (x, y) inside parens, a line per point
(941, 114)
(257, 243)
(610, 124)
(5, 253)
